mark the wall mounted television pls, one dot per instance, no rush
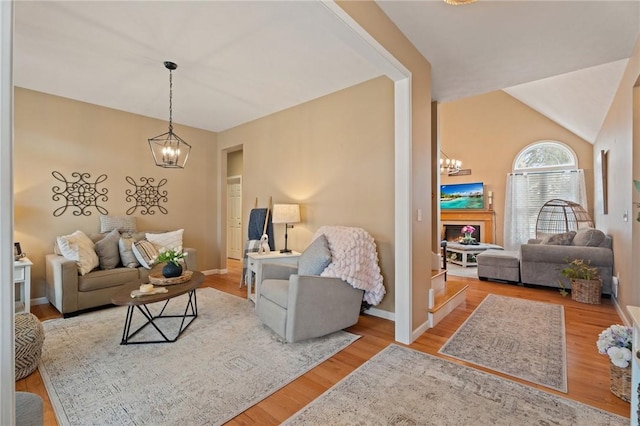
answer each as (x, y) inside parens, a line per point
(462, 196)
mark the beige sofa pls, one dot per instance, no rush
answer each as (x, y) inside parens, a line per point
(72, 293)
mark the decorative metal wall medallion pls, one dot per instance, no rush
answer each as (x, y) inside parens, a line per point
(79, 194)
(146, 196)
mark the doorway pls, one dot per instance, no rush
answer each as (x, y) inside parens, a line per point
(234, 205)
(234, 217)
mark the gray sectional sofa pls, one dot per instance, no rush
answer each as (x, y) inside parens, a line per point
(542, 260)
(72, 293)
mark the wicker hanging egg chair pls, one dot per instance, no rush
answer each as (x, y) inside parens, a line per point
(558, 216)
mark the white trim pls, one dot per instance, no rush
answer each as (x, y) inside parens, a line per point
(7, 292)
(233, 179)
(361, 41)
(375, 312)
(420, 330)
(621, 313)
(39, 301)
(214, 272)
(353, 34)
(403, 216)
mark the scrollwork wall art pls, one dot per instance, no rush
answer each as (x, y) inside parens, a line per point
(79, 194)
(146, 196)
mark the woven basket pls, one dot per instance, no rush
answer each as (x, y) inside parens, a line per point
(586, 291)
(620, 382)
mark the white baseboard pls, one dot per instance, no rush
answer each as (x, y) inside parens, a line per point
(420, 330)
(215, 272)
(622, 313)
(381, 314)
(39, 301)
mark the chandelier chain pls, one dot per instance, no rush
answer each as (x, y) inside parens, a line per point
(170, 100)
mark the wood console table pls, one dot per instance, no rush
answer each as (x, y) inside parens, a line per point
(484, 218)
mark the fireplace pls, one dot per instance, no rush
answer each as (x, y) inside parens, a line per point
(482, 220)
(453, 233)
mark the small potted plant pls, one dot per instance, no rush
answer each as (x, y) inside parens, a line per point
(586, 285)
(172, 257)
(467, 230)
(616, 342)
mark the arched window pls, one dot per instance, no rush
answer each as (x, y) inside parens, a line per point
(542, 171)
(545, 155)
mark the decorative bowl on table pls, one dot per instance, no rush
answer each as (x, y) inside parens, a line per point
(158, 279)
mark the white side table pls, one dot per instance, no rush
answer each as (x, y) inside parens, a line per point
(22, 277)
(635, 363)
(254, 266)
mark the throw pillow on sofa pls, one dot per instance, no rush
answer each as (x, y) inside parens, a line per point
(168, 240)
(125, 247)
(107, 250)
(588, 237)
(78, 247)
(563, 239)
(119, 223)
(146, 253)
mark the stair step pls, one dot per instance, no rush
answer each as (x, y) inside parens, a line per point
(437, 273)
(452, 290)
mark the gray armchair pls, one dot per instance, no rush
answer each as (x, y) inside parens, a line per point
(299, 307)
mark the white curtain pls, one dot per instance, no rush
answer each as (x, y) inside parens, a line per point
(527, 192)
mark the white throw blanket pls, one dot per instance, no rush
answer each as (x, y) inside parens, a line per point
(354, 258)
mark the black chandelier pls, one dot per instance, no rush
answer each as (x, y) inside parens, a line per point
(168, 149)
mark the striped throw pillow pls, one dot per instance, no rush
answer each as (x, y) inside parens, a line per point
(145, 252)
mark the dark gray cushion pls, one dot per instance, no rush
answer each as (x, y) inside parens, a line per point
(563, 239)
(588, 237)
(315, 258)
(107, 250)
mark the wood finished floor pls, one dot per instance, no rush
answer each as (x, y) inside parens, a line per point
(588, 371)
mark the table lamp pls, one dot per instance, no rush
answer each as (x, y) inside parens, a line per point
(287, 214)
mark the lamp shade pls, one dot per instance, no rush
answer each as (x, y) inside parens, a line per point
(286, 213)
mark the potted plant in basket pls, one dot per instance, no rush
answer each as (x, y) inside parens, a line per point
(172, 257)
(615, 342)
(586, 285)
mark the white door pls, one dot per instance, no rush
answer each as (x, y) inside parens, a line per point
(234, 218)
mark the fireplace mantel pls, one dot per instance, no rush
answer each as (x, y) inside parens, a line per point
(484, 218)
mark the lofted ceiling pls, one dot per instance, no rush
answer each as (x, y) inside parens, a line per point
(562, 58)
(238, 61)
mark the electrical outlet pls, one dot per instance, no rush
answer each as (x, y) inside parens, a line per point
(615, 284)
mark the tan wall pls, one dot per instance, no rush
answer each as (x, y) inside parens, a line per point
(234, 163)
(623, 145)
(486, 132)
(369, 15)
(334, 156)
(59, 134)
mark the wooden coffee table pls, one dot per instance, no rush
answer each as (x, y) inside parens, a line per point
(123, 298)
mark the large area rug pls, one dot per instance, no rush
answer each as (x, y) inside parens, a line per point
(401, 386)
(522, 338)
(225, 362)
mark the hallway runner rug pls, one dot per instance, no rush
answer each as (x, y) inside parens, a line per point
(521, 338)
(401, 386)
(224, 363)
